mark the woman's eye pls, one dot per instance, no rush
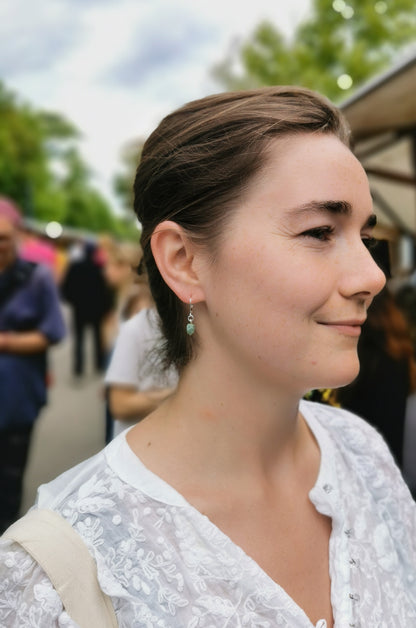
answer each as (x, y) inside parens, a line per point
(319, 233)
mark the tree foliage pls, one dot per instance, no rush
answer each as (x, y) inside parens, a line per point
(23, 159)
(123, 180)
(351, 38)
(42, 170)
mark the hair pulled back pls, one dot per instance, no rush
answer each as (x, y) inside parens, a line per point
(196, 166)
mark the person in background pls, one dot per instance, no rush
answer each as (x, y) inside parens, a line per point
(30, 322)
(132, 294)
(61, 260)
(406, 300)
(387, 374)
(135, 380)
(39, 249)
(236, 502)
(105, 245)
(86, 290)
(120, 271)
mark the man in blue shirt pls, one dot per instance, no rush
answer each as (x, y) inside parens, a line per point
(30, 321)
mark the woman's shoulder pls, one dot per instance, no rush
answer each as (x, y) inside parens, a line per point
(347, 429)
(97, 491)
(77, 486)
(371, 486)
(74, 491)
(359, 445)
(26, 591)
(361, 453)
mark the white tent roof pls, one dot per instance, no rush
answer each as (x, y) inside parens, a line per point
(385, 104)
(382, 117)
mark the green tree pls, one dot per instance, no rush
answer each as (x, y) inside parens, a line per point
(23, 160)
(127, 226)
(42, 170)
(341, 45)
(123, 180)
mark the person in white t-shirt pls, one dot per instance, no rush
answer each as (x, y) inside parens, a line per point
(237, 503)
(136, 383)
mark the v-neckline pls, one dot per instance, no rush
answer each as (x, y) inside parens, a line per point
(132, 470)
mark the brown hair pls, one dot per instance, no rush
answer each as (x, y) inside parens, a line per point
(388, 321)
(196, 166)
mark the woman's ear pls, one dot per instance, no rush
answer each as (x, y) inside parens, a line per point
(175, 256)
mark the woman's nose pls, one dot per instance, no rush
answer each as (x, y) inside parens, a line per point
(362, 276)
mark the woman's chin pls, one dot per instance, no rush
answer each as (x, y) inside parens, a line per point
(341, 376)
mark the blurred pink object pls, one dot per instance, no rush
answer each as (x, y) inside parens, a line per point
(36, 250)
(9, 210)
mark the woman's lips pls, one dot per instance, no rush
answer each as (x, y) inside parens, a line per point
(347, 327)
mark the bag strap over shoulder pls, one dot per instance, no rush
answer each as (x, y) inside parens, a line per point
(64, 557)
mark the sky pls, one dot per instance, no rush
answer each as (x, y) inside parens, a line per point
(114, 68)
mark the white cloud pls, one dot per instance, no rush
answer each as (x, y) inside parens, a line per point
(30, 40)
(115, 67)
(162, 44)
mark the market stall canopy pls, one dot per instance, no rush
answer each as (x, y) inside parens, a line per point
(385, 104)
(382, 117)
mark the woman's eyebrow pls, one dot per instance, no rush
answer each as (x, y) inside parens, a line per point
(331, 207)
(341, 208)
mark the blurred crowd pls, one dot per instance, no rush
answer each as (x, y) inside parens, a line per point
(101, 285)
(49, 290)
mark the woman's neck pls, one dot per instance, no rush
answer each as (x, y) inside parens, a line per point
(227, 424)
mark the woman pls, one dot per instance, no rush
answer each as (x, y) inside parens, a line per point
(136, 383)
(130, 294)
(235, 503)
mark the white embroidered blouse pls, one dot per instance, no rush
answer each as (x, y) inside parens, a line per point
(165, 565)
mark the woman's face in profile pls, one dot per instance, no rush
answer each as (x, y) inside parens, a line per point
(292, 282)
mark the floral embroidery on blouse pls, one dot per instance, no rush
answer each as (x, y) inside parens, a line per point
(166, 565)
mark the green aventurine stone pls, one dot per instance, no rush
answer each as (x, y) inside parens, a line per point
(190, 328)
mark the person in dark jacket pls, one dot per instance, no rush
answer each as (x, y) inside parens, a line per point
(30, 321)
(86, 290)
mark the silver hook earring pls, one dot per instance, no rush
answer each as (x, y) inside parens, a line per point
(190, 327)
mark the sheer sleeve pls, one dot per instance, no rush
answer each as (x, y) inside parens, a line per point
(27, 596)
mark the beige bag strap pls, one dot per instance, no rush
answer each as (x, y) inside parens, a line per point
(64, 557)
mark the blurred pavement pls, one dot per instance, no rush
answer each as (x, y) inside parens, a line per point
(71, 427)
